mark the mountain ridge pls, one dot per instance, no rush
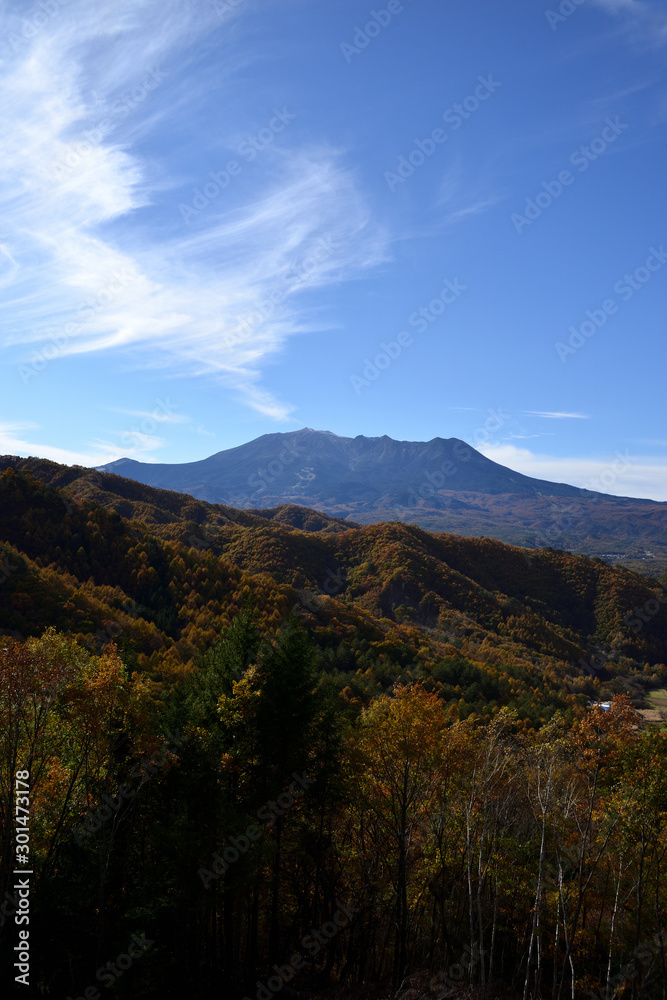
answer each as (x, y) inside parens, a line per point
(441, 485)
(162, 576)
(345, 470)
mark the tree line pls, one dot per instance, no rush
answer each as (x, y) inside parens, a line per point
(266, 835)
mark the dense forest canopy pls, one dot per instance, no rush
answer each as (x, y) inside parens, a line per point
(277, 753)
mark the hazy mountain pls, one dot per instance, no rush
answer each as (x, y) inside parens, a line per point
(320, 469)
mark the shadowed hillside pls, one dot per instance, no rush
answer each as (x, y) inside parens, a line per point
(163, 574)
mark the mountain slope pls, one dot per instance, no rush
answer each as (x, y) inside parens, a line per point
(159, 507)
(383, 602)
(440, 485)
(317, 467)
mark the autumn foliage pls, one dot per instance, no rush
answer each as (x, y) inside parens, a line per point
(235, 729)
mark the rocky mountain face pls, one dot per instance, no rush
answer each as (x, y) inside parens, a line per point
(320, 469)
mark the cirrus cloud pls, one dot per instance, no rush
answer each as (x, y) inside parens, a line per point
(82, 205)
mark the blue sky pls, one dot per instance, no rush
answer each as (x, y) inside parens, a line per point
(418, 218)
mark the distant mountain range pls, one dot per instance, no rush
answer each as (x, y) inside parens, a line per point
(161, 573)
(320, 469)
(441, 485)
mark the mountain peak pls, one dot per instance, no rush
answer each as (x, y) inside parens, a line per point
(336, 474)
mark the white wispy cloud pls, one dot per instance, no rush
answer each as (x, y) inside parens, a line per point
(476, 208)
(158, 415)
(83, 268)
(621, 474)
(551, 415)
(525, 437)
(644, 22)
(461, 196)
(14, 440)
(615, 6)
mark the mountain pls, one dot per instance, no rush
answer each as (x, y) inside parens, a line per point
(174, 675)
(383, 602)
(440, 485)
(320, 469)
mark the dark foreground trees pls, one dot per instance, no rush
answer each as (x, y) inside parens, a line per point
(255, 834)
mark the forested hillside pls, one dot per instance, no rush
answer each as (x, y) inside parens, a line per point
(382, 602)
(383, 481)
(291, 755)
